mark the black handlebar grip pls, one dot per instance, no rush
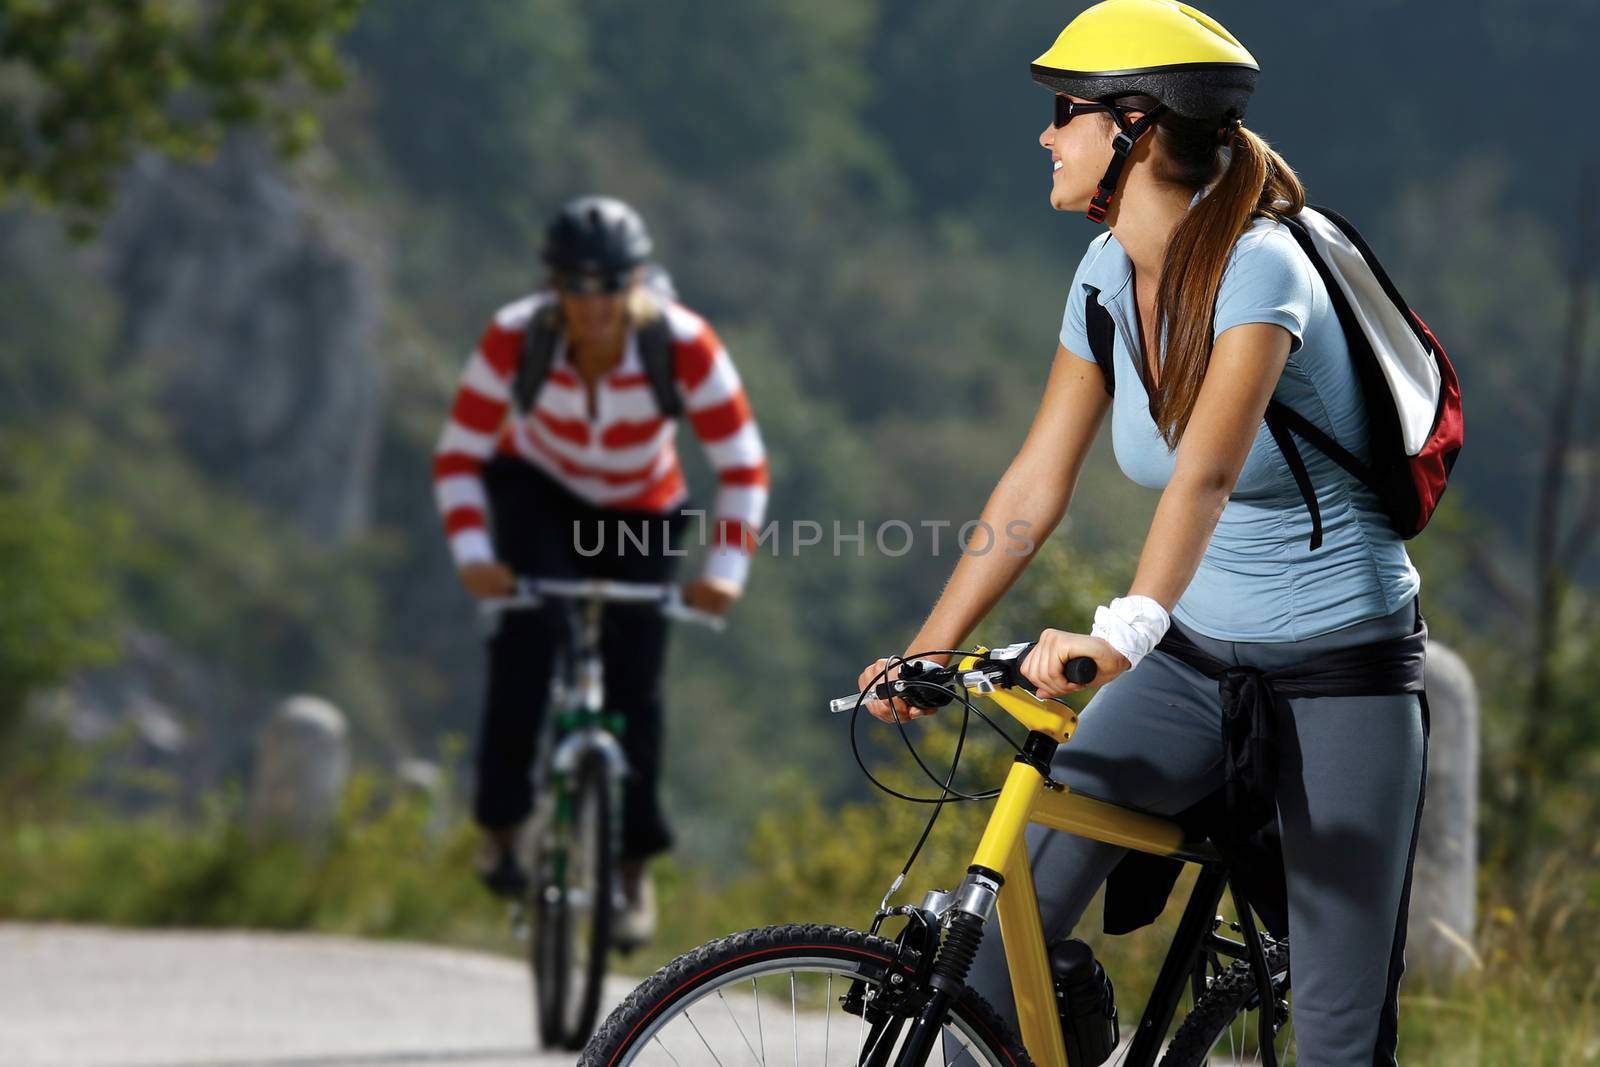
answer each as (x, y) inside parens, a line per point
(1080, 670)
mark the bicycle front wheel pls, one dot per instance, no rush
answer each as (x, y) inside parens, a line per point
(775, 995)
(574, 905)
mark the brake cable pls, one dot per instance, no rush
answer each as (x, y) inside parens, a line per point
(946, 792)
(969, 709)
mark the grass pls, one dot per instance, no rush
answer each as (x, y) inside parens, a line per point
(384, 872)
(1532, 995)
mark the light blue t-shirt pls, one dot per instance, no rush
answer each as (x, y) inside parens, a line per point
(1259, 579)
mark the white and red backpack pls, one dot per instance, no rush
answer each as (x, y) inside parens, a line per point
(1413, 397)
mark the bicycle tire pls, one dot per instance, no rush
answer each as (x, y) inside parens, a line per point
(573, 909)
(702, 973)
(1229, 997)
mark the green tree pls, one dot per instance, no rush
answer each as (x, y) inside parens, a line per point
(476, 102)
(85, 84)
(56, 569)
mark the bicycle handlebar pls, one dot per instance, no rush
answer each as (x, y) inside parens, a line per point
(998, 669)
(533, 592)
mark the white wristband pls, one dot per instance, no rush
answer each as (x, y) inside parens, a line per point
(1133, 625)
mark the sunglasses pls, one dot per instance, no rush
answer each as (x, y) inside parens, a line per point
(1068, 108)
(590, 284)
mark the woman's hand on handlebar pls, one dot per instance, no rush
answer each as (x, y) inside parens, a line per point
(715, 595)
(488, 579)
(1045, 666)
(882, 709)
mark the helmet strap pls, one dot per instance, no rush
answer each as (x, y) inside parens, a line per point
(1121, 148)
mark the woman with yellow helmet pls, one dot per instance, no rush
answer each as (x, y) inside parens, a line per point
(1208, 310)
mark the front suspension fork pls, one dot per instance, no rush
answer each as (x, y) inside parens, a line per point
(963, 934)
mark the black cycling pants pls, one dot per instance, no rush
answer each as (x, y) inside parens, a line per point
(532, 521)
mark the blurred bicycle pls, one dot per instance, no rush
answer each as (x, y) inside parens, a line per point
(572, 845)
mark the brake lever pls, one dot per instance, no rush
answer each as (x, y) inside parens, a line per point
(911, 671)
(930, 694)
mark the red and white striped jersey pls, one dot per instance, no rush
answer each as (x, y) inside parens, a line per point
(621, 455)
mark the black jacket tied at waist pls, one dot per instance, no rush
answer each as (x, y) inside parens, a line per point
(1241, 817)
(1252, 700)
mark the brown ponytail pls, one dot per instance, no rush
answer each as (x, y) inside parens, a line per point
(1256, 182)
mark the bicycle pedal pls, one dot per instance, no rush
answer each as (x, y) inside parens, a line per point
(626, 947)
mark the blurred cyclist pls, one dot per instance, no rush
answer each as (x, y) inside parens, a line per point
(559, 460)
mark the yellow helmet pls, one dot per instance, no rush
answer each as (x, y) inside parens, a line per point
(1161, 48)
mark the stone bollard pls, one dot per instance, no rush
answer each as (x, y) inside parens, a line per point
(302, 764)
(1439, 939)
(423, 779)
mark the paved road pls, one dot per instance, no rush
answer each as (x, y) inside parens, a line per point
(73, 996)
(82, 996)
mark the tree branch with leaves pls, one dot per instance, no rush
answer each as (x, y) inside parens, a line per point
(87, 84)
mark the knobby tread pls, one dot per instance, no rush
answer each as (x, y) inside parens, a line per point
(1219, 1006)
(661, 989)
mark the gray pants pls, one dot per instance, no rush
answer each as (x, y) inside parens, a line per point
(1350, 777)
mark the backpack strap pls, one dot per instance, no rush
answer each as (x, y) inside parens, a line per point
(1102, 338)
(538, 355)
(659, 355)
(1314, 434)
(1276, 418)
(656, 352)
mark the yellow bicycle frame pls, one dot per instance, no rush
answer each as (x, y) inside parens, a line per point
(1025, 799)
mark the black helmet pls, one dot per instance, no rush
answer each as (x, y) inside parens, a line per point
(596, 237)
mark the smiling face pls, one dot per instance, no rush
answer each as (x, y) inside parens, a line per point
(1080, 151)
